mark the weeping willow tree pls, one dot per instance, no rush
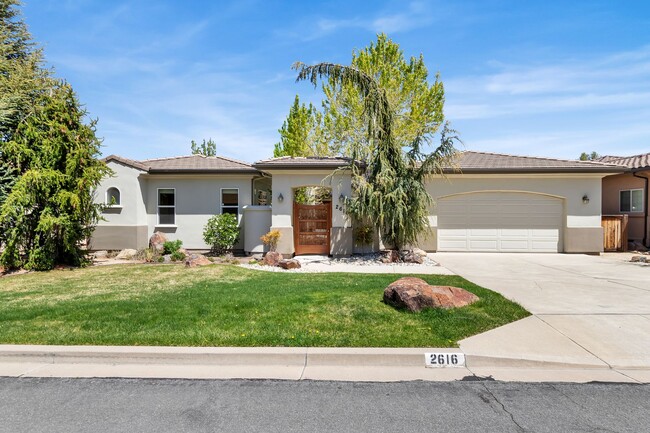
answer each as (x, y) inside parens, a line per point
(390, 190)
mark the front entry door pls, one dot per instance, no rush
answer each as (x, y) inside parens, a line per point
(311, 228)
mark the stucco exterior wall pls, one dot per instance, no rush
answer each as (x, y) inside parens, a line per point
(612, 185)
(198, 197)
(579, 218)
(285, 182)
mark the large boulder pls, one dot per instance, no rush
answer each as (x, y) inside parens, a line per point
(289, 264)
(126, 254)
(415, 294)
(390, 256)
(157, 240)
(272, 258)
(194, 260)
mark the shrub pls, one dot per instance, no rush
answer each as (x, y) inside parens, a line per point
(177, 256)
(170, 247)
(271, 239)
(146, 254)
(363, 235)
(221, 232)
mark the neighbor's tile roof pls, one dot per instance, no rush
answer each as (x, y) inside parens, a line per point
(636, 161)
(302, 162)
(188, 164)
(484, 162)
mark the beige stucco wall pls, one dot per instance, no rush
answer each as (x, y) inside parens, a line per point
(612, 185)
(579, 218)
(257, 223)
(286, 181)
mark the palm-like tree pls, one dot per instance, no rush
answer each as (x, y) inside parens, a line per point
(390, 190)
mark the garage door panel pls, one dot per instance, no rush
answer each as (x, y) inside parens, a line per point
(512, 222)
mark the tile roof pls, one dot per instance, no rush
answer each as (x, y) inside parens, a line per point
(302, 162)
(484, 162)
(636, 161)
(188, 164)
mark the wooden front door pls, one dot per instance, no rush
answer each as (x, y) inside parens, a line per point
(311, 228)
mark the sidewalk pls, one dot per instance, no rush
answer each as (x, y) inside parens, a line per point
(337, 364)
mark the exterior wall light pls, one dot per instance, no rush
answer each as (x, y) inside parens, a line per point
(341, 198)
(585, 199)
(280, 198)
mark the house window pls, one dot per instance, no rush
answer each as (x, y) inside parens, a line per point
(166, 206)
(230, 201)
(631, 200)
(113, 197)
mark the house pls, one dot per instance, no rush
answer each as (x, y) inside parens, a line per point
(627, 194)
(486, 202)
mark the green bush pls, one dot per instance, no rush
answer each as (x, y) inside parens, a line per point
(170, 247)
(177, 256)
(221, 232)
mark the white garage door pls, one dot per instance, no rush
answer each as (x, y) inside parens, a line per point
(499, 221)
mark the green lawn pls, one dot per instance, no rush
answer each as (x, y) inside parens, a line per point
(224, 305)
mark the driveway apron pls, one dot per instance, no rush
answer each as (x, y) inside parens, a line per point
(588, 311)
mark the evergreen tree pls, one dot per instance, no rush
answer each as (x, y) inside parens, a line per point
(50, 209)
(390, 191)
(301, 133)
(207, 148)
(584, 156)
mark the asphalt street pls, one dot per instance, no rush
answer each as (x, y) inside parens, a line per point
(136, 405)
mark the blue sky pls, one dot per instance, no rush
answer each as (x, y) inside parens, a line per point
(545, 78)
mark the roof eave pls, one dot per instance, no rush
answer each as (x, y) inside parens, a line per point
(536, 170)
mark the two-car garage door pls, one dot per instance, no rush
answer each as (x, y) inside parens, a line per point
(500, 221)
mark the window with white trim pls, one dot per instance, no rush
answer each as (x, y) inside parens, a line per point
(230, 201)
(631, 200)
(166, 206)
(113, 197)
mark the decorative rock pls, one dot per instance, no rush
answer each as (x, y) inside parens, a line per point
(415, 294)
(272, 258)
(412, 257)
(420, 252)
(126, 254)
(289, 264)
(390, 256)
(639, 259)
(102, 254)
(194, 260)
(157, 240)
(167, 258)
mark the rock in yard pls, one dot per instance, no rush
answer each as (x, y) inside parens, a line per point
(420, 252)
(390, 256)
(272, 258)
(126, 254)
(102, 254)
(157, 240)
(639, 259)
(289, 264)
(415, 294)
(412, 257)
(194, 260)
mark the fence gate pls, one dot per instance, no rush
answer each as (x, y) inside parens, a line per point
(311, 228)
(614, 232)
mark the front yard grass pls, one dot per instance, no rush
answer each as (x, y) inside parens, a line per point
(147, 305)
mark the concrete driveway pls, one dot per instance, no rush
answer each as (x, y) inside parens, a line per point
(587, 310)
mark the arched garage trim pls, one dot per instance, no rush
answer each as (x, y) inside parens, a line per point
(501, 221)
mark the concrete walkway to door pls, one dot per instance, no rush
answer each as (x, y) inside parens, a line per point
(588, 311)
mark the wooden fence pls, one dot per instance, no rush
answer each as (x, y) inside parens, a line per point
(614, 232)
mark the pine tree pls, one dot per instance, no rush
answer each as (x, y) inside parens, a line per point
(50, 209)
(207, 148)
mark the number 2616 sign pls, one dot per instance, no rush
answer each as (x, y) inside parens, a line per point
(444, 359)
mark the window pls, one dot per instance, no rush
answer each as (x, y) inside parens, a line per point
(631, 200)
(166, 206)
(230, 201)
(113, 197)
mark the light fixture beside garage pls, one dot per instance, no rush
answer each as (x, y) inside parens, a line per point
(585, 199)
(280, 198)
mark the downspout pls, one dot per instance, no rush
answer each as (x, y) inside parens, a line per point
(645, 203)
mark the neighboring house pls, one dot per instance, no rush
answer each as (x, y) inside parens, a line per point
(499, 203)
(627, 194)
